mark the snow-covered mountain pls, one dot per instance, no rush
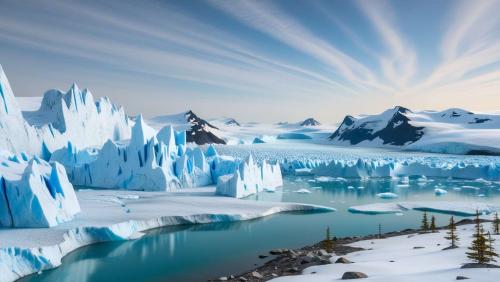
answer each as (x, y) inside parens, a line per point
(230, 122)
(450, 131)
(310, 122)
(197, 129)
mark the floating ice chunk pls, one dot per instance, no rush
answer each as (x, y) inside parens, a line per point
(387, 195)
(378, 208)
(423, 178)
(439, 191)
(483, 181)
(303, 172)
(330, 179)
(467, 187)
(325, 179)
(128, 197)
(456, 208)
(403, 185)
(303, 191)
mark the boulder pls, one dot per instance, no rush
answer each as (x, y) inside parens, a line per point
(342, 260)
(353, 275)
(257, 275)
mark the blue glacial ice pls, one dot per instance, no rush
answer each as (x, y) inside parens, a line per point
(34, 193)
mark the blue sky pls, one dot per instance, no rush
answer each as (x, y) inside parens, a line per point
(258, 60)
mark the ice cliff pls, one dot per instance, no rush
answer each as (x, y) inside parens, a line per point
(72, 116)
(34, 193)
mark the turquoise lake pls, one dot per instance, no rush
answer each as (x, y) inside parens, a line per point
(201, 252)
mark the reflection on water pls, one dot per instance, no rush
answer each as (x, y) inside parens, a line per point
(198, 252)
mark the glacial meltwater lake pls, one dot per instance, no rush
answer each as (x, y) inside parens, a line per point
(201, 252)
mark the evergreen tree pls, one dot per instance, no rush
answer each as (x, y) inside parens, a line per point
(425, 222)
(490, 250)
(452, 233)
(328, 242)
(479, 248)
(496, 224)
(433, 224)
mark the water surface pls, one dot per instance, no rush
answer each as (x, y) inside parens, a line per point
(199, 252)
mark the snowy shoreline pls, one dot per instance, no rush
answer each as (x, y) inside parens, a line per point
(406, 255)
(113, 216)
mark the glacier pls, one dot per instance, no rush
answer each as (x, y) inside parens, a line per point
(249, 179)
(35, 193)
(100, 146)
(72, 116)
(162, 161)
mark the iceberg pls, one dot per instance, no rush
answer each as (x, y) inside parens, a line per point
(249, 178)
(439, 191)
(303, 191)
(378, 208)
(387, 195)
(35, 193)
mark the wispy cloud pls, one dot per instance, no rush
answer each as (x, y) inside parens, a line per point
(470, 48)
(399, 64)
(350, 53)
(266, 18)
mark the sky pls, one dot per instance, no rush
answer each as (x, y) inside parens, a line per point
(274, 60)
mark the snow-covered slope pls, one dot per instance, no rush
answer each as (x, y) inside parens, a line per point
(413, 258)
(197, 129)
(451, 131)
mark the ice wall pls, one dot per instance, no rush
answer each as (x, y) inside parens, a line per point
(34, 193)
(72, 116)
(398, 168)
(249, 178)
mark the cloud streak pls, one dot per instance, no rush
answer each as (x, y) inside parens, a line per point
(265, 50)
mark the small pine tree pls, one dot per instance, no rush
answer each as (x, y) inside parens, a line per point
(479, 248)
(490, 250)
(433, 224)
(496, 224)
(328, 242)
(425, 222)
(452, 233)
